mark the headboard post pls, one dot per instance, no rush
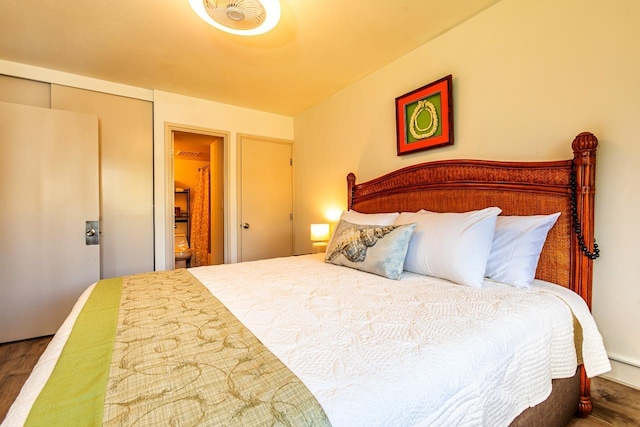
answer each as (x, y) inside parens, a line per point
(584, 160)
(351, 182)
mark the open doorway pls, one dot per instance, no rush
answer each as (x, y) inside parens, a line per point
(199, 209)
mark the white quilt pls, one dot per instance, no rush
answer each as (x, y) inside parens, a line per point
(374, 351)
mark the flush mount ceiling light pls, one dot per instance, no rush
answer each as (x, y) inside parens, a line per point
(240, 17)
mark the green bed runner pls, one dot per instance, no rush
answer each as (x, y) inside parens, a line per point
(174, 356)
(74, 394)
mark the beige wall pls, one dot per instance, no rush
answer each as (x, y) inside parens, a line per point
(169, 108)
(186, 111)
(527, 77)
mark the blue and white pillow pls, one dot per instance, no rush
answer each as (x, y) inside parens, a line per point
(377, 249)
(355, 217)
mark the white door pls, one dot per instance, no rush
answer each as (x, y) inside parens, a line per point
(48, 189)
(266, 223)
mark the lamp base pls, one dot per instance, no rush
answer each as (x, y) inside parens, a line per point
(319, 247)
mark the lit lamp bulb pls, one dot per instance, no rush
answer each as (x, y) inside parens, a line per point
(319, 237)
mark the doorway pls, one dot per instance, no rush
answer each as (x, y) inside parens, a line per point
(193, 151)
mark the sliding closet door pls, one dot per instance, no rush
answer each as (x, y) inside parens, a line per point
(48, 188)
(126, 176)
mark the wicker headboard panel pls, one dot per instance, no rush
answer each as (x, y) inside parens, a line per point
(518, 188)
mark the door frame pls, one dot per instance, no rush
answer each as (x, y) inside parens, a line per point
(240, 138)
(168, 202)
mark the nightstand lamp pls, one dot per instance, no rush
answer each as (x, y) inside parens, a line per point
(319, 237)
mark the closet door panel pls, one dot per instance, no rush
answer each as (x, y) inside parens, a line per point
(126, 176)
(26, 92)
(49, 189)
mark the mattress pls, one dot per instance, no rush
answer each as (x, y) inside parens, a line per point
(374, 351)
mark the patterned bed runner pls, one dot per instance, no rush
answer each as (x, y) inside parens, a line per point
(74, 393)
(181, 358)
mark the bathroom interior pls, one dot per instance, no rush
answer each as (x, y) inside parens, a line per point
(196, 182)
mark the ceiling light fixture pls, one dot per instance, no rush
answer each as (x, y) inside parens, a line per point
(240, 17)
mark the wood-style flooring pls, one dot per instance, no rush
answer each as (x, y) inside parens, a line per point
(17, 359)
(613, 403)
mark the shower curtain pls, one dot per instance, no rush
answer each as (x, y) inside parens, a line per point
(200, 220)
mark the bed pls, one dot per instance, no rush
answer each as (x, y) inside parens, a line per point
(318, 343)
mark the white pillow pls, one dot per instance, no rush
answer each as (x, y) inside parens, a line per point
(369, 219)
(516, 248)
(366, 219)
(452, 246)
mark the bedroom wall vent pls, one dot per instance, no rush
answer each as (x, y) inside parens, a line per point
(188, 154)
(239, 17)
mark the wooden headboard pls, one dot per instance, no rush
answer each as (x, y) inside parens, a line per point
(518, 188)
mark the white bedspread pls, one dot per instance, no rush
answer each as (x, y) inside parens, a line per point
(419, 351)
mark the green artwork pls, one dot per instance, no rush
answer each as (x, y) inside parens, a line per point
(424, 118)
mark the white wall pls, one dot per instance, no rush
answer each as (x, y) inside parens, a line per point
(527, 77)
(187, 111)
(181, 110)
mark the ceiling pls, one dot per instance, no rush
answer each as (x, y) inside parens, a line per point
(318, 48)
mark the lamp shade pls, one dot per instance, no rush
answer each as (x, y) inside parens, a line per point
(319, 232)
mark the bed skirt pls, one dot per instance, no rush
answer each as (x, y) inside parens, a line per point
(558, 409)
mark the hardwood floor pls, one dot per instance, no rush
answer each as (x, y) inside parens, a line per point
(613, 403)
(17, 359)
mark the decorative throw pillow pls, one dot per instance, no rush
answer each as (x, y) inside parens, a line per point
(517, 244)
(377, 249)
(366, 219)
(452, 246)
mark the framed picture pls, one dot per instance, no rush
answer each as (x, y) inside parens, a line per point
(424, 117)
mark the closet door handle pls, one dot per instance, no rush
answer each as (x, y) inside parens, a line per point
(246, 225)
(92, 232)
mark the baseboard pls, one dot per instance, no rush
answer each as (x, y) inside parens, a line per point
(624, 372)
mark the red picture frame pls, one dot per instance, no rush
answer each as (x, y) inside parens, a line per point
(424, 117)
